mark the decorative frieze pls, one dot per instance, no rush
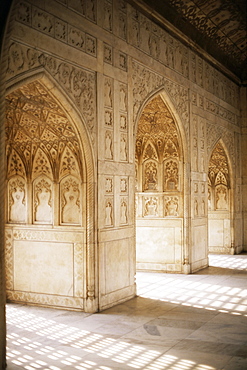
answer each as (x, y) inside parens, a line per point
(57, 28)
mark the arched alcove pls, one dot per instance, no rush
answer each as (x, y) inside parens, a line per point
(219, 201)
(50, 202)
(159, 189)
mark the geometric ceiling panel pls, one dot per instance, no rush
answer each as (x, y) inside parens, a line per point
(34, 122)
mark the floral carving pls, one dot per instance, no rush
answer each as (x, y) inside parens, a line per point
(70, 201)
(171, 175)
(43, 201)
(150, 176)
(171, 206)
(78, 82)
(108, 185)
(41, 164)
(17, 200)
(16, 166)
(151, 206)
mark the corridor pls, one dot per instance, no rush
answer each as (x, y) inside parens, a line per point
(177, 322)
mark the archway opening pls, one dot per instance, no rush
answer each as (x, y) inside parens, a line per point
(219, 202)
(46, 201)
(159, 190)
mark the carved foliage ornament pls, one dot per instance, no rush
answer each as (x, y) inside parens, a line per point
(43, 201)
(77, 82)
(157, 133)
(218, 171)
(70, 195)
(150, 175)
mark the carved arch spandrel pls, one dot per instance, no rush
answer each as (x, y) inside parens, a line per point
(148, 84)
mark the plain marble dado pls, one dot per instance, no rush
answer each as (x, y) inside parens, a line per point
(177, 322)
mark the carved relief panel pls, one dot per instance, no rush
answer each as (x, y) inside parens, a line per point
(109, 118)
(17, 200)
(70, 201)
(43, 200)
(150, 206)
(123, 211)
(150, 175)
(109, 211)
(123, 122)
(170, 175)
(171, 206)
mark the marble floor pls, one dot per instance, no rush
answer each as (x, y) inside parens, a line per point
(178, 322)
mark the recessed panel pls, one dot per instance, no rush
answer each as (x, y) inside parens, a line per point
(43, 267)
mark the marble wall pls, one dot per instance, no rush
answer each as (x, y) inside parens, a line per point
(103, 105)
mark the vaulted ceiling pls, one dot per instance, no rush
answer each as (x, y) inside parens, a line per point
(216, 26)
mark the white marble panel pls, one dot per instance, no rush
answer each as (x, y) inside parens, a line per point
(216, 233)
(156, 245)
(116, 257)
(43, 267)
(199, 245)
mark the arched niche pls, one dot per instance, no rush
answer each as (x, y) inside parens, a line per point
(159, 159)
(17, 200)
(71, 205)
(219, 201)
(43, 200)
(48, 150)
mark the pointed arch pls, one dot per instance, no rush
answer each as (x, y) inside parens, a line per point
(173, 112)
(69, 124)
(220, 200)
(160, 193)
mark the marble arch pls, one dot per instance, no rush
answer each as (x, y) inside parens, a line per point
(168, 101)
(220, 201)
(160, 204)
(65, 144)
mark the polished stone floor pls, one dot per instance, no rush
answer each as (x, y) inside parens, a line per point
(177, 322)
